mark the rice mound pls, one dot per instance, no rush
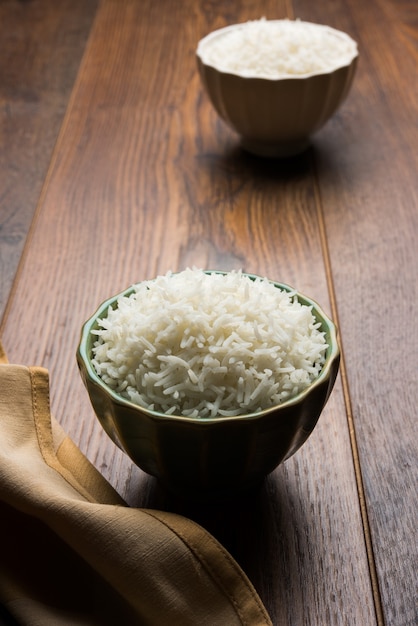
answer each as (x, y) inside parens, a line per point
(206, 344)
(278, 48)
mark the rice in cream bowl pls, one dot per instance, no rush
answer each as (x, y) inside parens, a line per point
(208, 344)
(277, 48)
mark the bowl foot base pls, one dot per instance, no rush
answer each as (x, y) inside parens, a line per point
(273, 150)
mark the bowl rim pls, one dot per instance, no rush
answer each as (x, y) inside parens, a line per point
(333, 353)
(204, 41)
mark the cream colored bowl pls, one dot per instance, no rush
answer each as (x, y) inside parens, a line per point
(275, 116)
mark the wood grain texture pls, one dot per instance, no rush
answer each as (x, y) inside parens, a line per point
(369, 189)
(41, 44)
(145, 178)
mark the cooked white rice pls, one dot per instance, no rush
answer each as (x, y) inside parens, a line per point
(207, 345)
(277, 48)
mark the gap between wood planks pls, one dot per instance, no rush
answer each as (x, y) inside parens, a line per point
(348, 407)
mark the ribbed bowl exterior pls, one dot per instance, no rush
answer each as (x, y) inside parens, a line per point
(277, 110)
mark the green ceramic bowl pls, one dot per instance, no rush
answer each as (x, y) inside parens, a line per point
(212, 456)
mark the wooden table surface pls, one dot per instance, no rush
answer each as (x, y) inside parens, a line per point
(115, 168)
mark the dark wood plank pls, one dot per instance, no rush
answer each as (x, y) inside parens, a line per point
(41, 44)
(367, 165)
(145, 178)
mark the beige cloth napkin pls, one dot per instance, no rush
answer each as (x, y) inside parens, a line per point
(73, 553)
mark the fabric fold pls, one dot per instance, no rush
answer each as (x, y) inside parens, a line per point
(74, 553)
